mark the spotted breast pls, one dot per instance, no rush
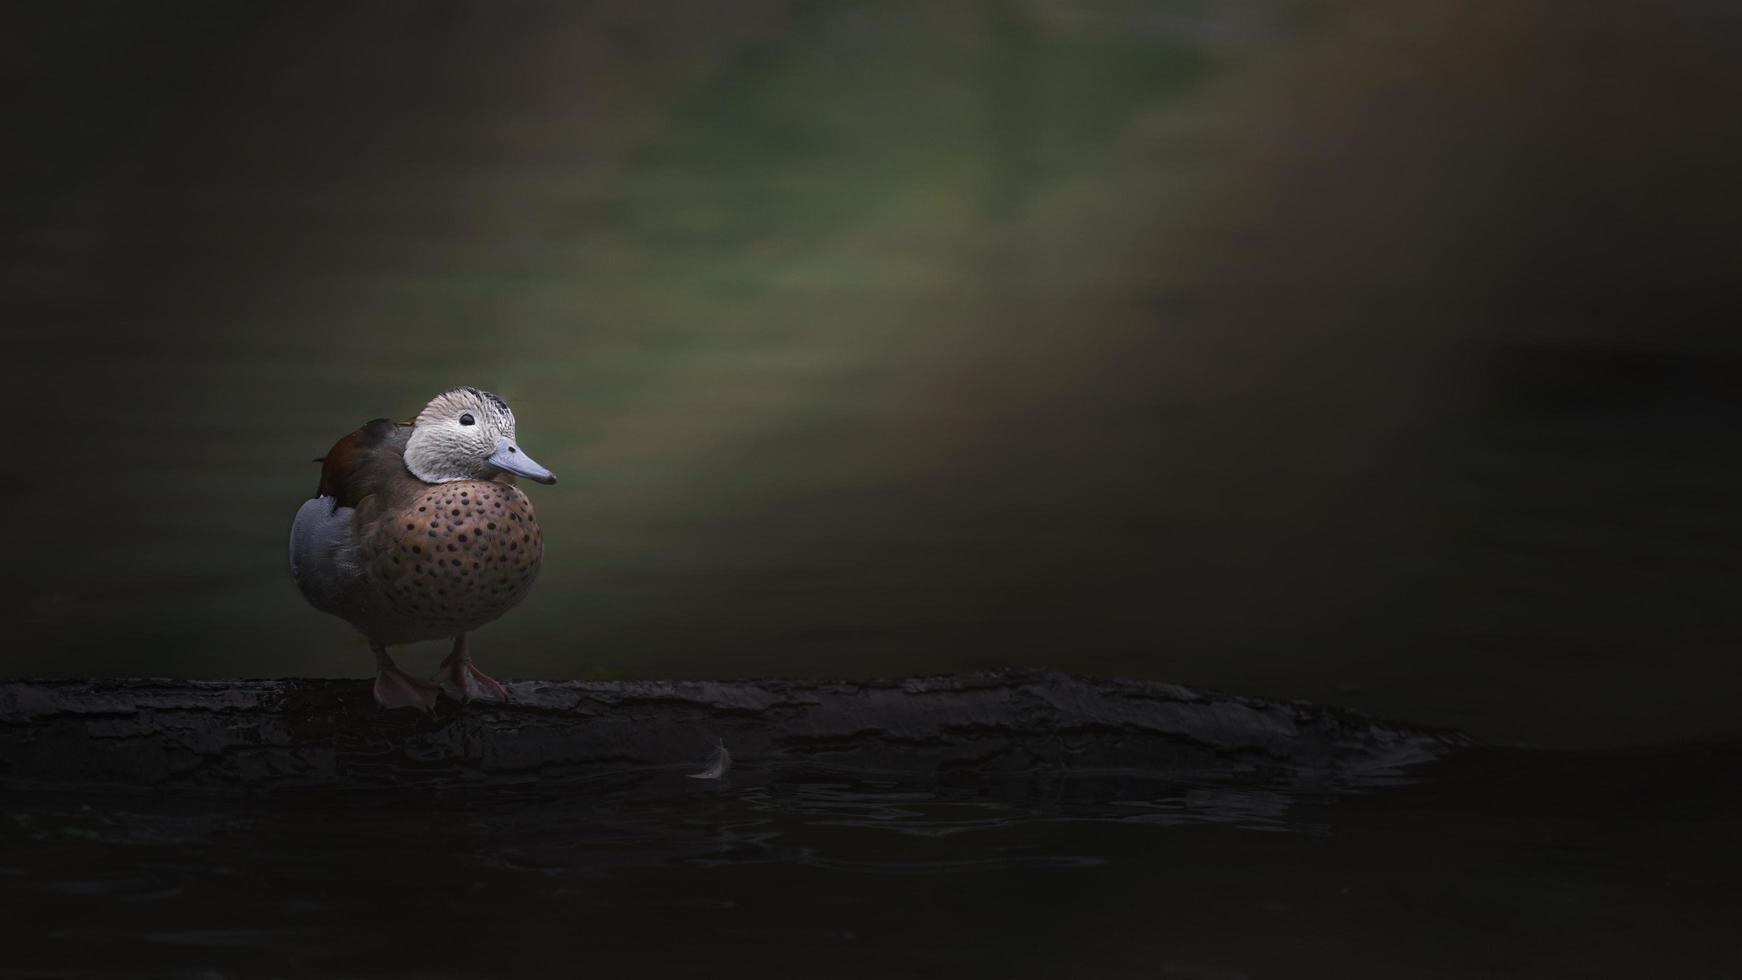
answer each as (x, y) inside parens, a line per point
(457, 556)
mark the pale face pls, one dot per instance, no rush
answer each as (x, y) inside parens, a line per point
(467, 434)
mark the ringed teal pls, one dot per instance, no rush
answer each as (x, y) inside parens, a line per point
(418, 532)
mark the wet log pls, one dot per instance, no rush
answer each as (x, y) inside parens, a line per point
(298, 733)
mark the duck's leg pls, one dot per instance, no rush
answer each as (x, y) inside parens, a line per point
(394, 688)
(464, 682)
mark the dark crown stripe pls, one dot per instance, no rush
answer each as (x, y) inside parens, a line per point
(489, 396)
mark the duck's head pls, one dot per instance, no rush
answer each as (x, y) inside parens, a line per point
(467, 434)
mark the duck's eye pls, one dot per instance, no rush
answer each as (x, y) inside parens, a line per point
(467, 419)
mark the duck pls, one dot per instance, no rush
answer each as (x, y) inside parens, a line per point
(419, 531)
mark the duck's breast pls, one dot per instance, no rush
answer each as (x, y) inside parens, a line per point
(456, 557)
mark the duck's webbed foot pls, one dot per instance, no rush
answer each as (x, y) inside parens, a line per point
(462, 681)
(394, 688)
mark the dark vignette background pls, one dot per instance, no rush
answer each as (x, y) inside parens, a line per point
(1379, 352)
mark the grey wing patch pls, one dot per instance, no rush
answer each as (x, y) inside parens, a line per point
(323, 555)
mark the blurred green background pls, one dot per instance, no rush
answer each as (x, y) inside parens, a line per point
(1380, 353)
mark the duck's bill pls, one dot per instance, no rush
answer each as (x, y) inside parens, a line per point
(509, 459)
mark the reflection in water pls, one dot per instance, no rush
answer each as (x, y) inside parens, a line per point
(1489, 864)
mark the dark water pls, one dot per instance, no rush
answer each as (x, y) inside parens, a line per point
(1489, 864)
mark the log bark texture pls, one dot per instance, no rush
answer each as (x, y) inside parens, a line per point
(290, 733)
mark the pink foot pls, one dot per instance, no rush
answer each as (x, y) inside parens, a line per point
(463, 682)
(394, 688)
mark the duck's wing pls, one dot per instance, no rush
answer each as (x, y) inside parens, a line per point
(364, 462)
(323, 539)
(323, 555)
